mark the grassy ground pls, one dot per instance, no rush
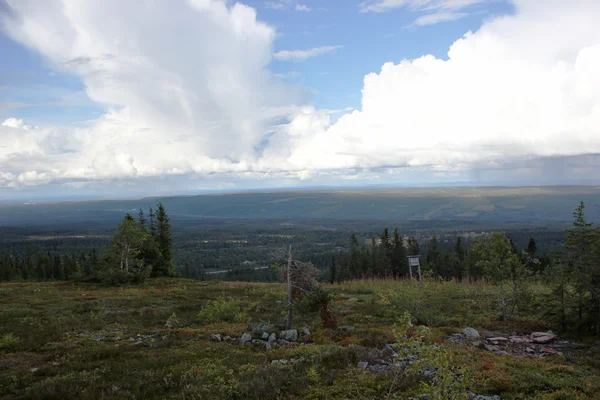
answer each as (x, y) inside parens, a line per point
(79, 341)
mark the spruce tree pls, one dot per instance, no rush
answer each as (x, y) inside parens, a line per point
(164, 241)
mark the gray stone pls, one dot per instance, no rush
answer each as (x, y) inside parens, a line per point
(246, 338)
(388, 351)
(347, 328)
(226, 338)
(257, 341)
(304, 332)
(265, 336)
(470, 333)
(216, 337)
(429, 372)
(498, 339)
(491, 348)
(544, 339)
(169, 324)
(291, 335)
(539, 334)
(363, 365)
(272, 338)
(473, 396)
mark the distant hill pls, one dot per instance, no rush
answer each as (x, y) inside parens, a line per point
(535, 204)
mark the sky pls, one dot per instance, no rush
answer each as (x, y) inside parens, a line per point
(121, 99)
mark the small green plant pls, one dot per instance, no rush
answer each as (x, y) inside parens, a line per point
(8, 341)
(173, 321)
(419, 357)
(222, 310)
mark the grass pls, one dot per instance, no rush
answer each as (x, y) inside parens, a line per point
(79, 341)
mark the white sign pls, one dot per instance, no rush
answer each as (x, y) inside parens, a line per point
(413, 261)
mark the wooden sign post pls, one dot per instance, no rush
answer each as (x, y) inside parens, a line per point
(413, 261)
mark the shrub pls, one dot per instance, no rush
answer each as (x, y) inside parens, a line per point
(222, 310)
(8, 341)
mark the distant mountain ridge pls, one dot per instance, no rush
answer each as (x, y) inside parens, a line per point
(544, 203)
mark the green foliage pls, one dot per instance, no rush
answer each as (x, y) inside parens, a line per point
(222, 310)
(418, 355)
(8, 341)
(503, 267)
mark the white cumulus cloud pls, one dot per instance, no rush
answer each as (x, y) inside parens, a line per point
(188, 92)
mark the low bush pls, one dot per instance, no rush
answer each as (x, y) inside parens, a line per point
(222, 310)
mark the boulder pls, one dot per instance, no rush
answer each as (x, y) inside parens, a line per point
(363, 365)
(520, 339)
(539, 334)
(290, 335)
(470, 333)
(473, 396)
(265, 336)
(304, 332)
(216, 337)
(550, 350)
(544, 339)
(497, 339)
(246, 338)
(272, 338)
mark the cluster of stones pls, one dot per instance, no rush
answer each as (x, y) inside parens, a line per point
(267, 335)
(535, 345)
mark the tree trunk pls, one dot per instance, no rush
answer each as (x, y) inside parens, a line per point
(504, 304)
(515, 299)
(288, 320)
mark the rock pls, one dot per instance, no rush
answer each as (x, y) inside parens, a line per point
(502, 353)
(498, 339)
(477, 343)
(491, 348)
(259, 329)
(304, 332)
(388, 351)
(429, 372)
(519, 339)
(265, 336)
(539, 334)
(550, 350)
(257, 341)
(169, 324)
(226, 338)
(216, 337)
(34, 369)
(470, 333)
(363, 365)
(353, 300)
(269, 346)
(272, 338)
(291, 335)
(473, 396)
(246, 338)
(347, 328)
(488, 334)
(544, 339)
(282, 342)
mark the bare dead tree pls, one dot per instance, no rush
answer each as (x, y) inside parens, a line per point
(300, 278)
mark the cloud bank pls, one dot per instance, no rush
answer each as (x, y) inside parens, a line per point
(189, 92)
